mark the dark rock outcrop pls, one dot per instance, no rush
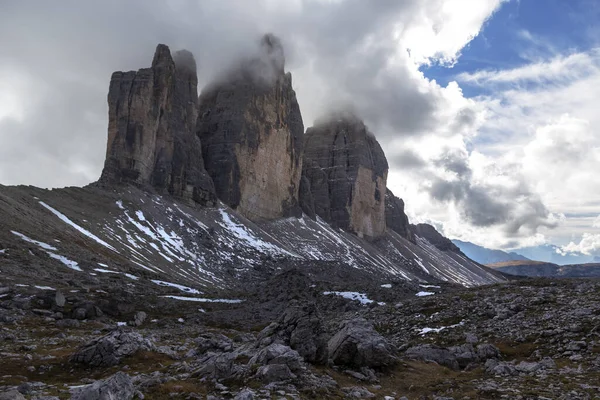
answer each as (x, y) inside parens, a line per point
(151, 129)
(110, 349)
(251, 130)
(119, 386)
(347, 172)
(395, 218)
(300, 327)
(358, 344)
(428, 232)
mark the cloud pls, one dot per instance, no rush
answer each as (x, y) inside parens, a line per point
(53, 121)
(560, 69)
(588, 245)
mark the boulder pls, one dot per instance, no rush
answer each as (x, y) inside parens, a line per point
(152, 116)
(278, 354)
(300, 327)
(220, 366)
(59, 299)
(427, 352)
(214, 342)
(347, 171)
(251, 130)
(11, 395)
(108, 350)
(455, 357)
(119, 386)
(357, 344)
(139, 318)
(274, 373)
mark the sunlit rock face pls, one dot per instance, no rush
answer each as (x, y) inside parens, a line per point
(251, 130)
(151, 130)
(347, 173)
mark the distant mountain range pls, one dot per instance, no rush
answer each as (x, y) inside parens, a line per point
(544, 269)
(547, 253)
(551, 254)
(486, 256)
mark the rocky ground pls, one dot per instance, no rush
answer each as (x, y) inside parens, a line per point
(528, 339)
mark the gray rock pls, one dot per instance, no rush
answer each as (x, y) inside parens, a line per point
(213, 342)
(357, 344)
(59, 299)
(528, 367)
(219, 366)
(117, 387)
(357, 392)
(108, 350)
(139, 318)
(278, 354)
(11, 395)
(347, 172)
(432, 353)
(301, 328)
(246, 394)
(274, 373)
(251, 130)
(151, 129)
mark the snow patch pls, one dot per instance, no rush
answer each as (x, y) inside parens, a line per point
(69, 263)
(135, 278)
(106, 271)
(121, 323)
(441, 328)
(119, 204)
(361, 297)
(77, 227)
(175, 285)
(387, 286)
(204, 300)
(43, 245)
(423, 294)
(2, 251)
(44, 287)
(431, 286)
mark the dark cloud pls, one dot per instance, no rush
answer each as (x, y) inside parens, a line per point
(339, 52)
(515, 208)
(406, 160)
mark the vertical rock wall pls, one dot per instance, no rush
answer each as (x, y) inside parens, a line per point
(151, 129)
(251, 131)
(347, 172)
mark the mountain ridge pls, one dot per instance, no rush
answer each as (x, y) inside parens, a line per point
(167, 209)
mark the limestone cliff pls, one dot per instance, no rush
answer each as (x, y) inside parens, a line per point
(151, 129)
(428, 232)
(251, 131)
(347, 172)
(395, 218)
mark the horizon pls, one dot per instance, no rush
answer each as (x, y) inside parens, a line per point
(486, 114)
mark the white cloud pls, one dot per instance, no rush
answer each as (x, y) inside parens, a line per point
(589, 245)
(562, 68)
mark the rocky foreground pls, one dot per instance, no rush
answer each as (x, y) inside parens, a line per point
(292, 339)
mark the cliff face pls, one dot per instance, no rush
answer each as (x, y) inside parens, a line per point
(347, 172)
(151, 135)
(395, 218)
(434, 237)
(251, 131)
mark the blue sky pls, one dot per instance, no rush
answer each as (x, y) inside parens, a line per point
(520, 31)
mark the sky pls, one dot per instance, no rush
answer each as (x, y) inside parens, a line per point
(486, 109)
